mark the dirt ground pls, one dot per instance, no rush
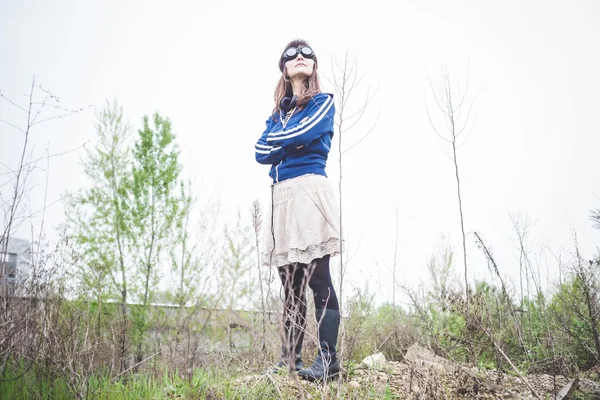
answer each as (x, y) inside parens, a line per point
(424, 376)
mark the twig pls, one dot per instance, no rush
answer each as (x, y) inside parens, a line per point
(533, 392)
(135, 365)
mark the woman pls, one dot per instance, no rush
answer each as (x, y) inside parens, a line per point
(301, 229)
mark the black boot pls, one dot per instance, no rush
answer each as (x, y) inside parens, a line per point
(326, 365)
(284, 361)
(293, 338)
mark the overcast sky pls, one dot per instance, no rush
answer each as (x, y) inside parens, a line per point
(211, 67)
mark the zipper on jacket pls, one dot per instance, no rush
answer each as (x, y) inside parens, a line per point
(277, 172)
(285, 118)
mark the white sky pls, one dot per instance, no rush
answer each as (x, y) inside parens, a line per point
(211, 68)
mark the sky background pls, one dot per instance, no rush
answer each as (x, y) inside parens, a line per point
(211, 67)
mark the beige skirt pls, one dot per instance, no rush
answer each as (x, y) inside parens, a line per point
(302, 222)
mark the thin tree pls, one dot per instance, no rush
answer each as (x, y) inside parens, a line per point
(19, 178)
(21, 320)
(346, 81)
(237, 287)
(451, 101)
(156, 207)
(99, 218)
(193, 251)
(193, 265)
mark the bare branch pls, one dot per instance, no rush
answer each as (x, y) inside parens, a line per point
(350, 257)
(468, 113)
(41, 210)
(531, 389)
(460, 144)
(433, 125)
(45, 158)
(360, 112)
(366, 135)
(51, 118)
(442, 108)
(12, 102)
(13, 125)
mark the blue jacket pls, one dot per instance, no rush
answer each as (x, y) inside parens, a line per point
(302, 147)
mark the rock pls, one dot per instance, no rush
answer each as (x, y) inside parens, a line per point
(374, 360)
(426, 358)
(567, 391)
(432, 366)
(353, 385)
(589, 387)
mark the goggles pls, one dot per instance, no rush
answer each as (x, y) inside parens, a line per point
(292, 52)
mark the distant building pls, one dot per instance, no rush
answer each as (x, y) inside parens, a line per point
(15, 259)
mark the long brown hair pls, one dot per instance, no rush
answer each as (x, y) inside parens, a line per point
(312, 85)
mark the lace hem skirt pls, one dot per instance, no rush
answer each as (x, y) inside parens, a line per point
(301, 222)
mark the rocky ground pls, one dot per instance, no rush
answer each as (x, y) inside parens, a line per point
(422, 375)
(410, 381)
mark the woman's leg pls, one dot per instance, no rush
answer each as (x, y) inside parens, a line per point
(322, 286)
(294, 280)
(328, 321)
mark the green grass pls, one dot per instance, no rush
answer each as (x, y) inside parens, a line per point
(205, 384)
(210, 384)
(23, 382)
